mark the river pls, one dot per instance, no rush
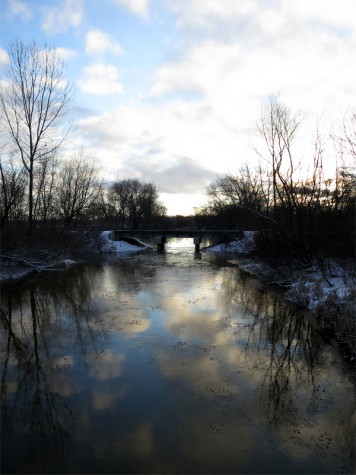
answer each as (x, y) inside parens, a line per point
(171, 362)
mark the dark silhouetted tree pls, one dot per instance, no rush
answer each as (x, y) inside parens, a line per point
(136, 203)
(34, 101)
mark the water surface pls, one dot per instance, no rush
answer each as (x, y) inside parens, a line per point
(169, 362)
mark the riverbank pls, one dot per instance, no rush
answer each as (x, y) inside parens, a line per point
(18, 266)
(325, 287)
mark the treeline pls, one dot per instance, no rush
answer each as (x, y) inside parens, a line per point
(305, 214)
(69, 195)
(61, 191)
(42, 193)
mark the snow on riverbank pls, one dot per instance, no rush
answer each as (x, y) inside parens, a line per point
(314, 286)
(17, 268)
(242, 246)
(307, 286)
(107, 245)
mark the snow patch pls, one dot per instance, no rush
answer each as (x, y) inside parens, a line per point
(241, 246)
(108, 245)
(68, 262)
(314, 288)
(14, 268)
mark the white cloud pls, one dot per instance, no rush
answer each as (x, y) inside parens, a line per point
(340, 13)
(101, 79)
(20, 9)
(177, 146)
(4, 58)
(59, 19)
(207, 13)
(97, 41)
(176, 173)
(307, 65)
(139, 7)
(4, 84)
(203, 69)
(66, 53)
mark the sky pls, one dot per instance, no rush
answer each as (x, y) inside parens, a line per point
(170, 91)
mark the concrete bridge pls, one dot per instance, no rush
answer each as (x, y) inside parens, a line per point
(160, 235)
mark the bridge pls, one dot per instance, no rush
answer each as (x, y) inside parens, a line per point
(160, 235)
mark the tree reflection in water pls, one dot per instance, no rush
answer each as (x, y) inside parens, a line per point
(285, 341)
(33, 362)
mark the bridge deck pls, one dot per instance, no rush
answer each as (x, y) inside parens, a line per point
(116, 234)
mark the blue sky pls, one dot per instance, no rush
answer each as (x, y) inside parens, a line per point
(170, 91)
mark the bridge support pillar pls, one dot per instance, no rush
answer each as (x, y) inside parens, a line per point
(160, 240)
(197, 241)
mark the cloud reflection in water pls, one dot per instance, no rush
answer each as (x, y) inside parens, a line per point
(146, 365)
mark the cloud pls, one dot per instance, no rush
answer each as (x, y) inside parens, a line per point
(206, 14)
(202, 70)
(60, 19)
(139, 7)
(161, 134)
(19, 9)
(179, 147)
(65, 53)
(101, 79)
(210, 15)
(338, 13)
(183, 174)
(108, 366)
(278, 50)
(4, 57)
(97, 41)
(4, 84)
(78, 112)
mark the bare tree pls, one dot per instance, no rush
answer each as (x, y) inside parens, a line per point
(45, 188)
(12, 190)
(78, 187)
(278, 127)
(135, 202)
(34, 102)
(248, 189)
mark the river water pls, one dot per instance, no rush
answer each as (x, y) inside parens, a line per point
(169, 362)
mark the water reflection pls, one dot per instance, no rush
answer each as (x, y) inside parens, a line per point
(45, 326)
(35, 406)
(287, 342)
(162, 363)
